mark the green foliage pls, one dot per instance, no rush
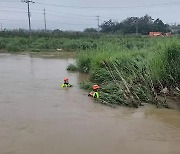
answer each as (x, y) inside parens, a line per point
(164, 63)
(72, 67)
(3, 43)
(172, 54)
(132, 25)
(100, 76)
(130, 75)
(84, 62)
(12, 47)
(42, 43)
(90, 30)
(86, 85)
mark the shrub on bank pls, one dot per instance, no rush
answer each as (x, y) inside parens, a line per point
(72, 67)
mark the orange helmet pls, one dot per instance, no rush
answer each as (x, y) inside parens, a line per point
(95, 87)
(66, 79)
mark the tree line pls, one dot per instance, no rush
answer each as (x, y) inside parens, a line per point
(133, 25)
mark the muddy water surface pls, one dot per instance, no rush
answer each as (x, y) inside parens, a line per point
(38, 117)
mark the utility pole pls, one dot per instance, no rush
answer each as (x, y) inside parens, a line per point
(98, 22)
(45, 19)
(1, 27)
(137, 28)
(29, 14)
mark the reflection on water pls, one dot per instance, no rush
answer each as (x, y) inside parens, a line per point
(38, 117)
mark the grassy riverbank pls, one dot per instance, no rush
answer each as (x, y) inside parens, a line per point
(40, 44)
(63, 41)
(72, 42)
(131, 70)
(135, 70)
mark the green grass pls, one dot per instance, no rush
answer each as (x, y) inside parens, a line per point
(42, 43)
(130, 75)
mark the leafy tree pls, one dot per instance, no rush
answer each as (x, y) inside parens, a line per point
(108, 26)
(160, 26)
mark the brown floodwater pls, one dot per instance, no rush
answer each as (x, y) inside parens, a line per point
(39, 117)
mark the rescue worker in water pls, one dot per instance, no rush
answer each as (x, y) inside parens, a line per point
(66, 83)
(94, 93)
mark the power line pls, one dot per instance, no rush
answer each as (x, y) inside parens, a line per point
(50, 12)
(12, 20)
(70, 17)
(17, 8)
(11, 11)
(112, 7)
(82, 16)
(79, 15)
(43, 21)
(1, 27)
(105, 7)
(69, 24)
(9, 1)
(87, 17)
(108, 7)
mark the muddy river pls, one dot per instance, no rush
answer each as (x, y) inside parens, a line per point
(39, 117)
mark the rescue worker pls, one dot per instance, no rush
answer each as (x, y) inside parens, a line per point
(94, 93)
(66, 83)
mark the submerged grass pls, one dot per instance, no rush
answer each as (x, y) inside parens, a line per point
(72, 67)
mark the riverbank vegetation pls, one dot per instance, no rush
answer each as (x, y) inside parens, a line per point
(38, 44)
(135, 70)
(18, 40)
(130, 69)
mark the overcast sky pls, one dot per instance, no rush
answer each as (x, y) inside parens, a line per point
(80, 14)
